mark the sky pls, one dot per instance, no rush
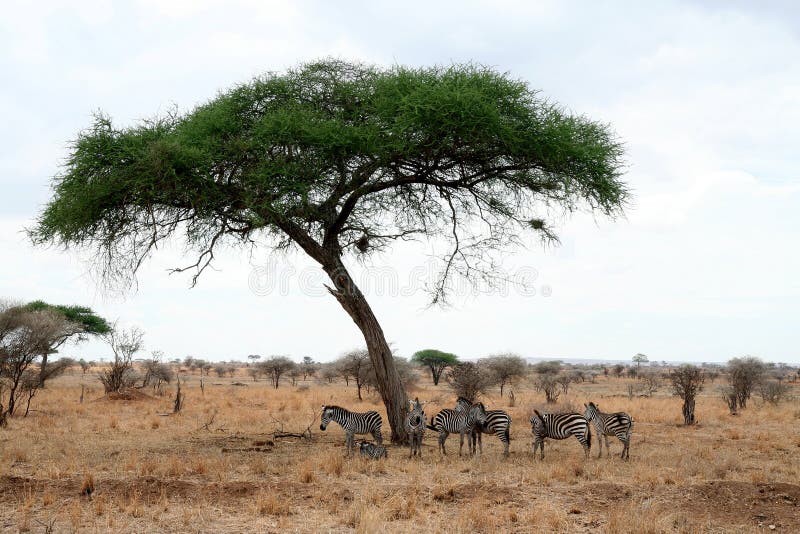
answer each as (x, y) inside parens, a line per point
(705, 266)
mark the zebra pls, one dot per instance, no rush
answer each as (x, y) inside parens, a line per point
(415, 427)
(498, 422)
(560, 426)
(352, 423)
(617, 424)
(450, 421)
(372, 451)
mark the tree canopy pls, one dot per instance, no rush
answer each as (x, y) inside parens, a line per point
(338, 159)
(435, 360)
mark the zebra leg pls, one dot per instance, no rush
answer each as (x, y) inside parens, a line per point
(442, 438)
(505, 438)
(461, 442)
(378, 436)
(608, 447)
(348, 444)
(599, 441)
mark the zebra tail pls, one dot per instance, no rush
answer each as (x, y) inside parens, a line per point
(431, 426)
(589, 435)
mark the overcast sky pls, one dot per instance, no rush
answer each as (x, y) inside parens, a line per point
(706, 96)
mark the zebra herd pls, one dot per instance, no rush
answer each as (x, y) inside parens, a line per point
(470, 420)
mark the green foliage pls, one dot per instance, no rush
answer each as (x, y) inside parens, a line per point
(433, 356)
(435, 360)
(336, 157)
(87, 321)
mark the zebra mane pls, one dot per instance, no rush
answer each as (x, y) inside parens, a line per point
(538, 415)
(333, 406)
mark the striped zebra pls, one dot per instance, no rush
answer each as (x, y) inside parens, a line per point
(560, 426)
(462, 422)
(352, 423)
(498, 422)
(415, 427)
(372, 451)
(617, 424)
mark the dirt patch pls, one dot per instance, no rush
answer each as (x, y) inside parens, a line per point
(721, 503)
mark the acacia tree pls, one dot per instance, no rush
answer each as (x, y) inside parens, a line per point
(506, 368)
(24, 336)
(355, 364)
(687, 381)
(124, 343)
(436, 361)
(339, 159)
(79, 323)
(275, 367)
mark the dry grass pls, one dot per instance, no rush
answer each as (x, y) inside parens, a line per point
(119, 466)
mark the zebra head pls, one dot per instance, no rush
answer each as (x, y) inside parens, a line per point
(477, 413)
(591, 410)
(463, 405)
(537, 421)
(327, 415)
(417, 414)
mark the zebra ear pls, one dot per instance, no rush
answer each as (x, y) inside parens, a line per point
(584, 405)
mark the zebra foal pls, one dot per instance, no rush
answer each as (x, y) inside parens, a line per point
(372, 451)
(617, 424)
(415, 427)
(560, 426)
(449, 421)
(352, 423)
(498, 422)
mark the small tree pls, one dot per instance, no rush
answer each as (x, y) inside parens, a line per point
(85, 366)
(309, 367)
(687, 382)
(79, 323)
(356, 365)
(639, 359)
(469, 380)
(551, 367)
(329, 372)
(564, 380)
(24, 336)
(156, 372)
(772, 391)
(548, 384)
(652, 381)
(744, 375)
(124, 344)
(435, 360)
(254, 372)
(275, 367)
(506, 368)
(618, 370)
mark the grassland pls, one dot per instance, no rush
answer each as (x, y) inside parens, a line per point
(218, 467)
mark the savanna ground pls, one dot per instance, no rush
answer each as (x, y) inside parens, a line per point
(218, 467)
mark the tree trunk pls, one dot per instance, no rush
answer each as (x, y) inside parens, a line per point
(688, 411)
(43, 369)
(436, 373)
(389, 384)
